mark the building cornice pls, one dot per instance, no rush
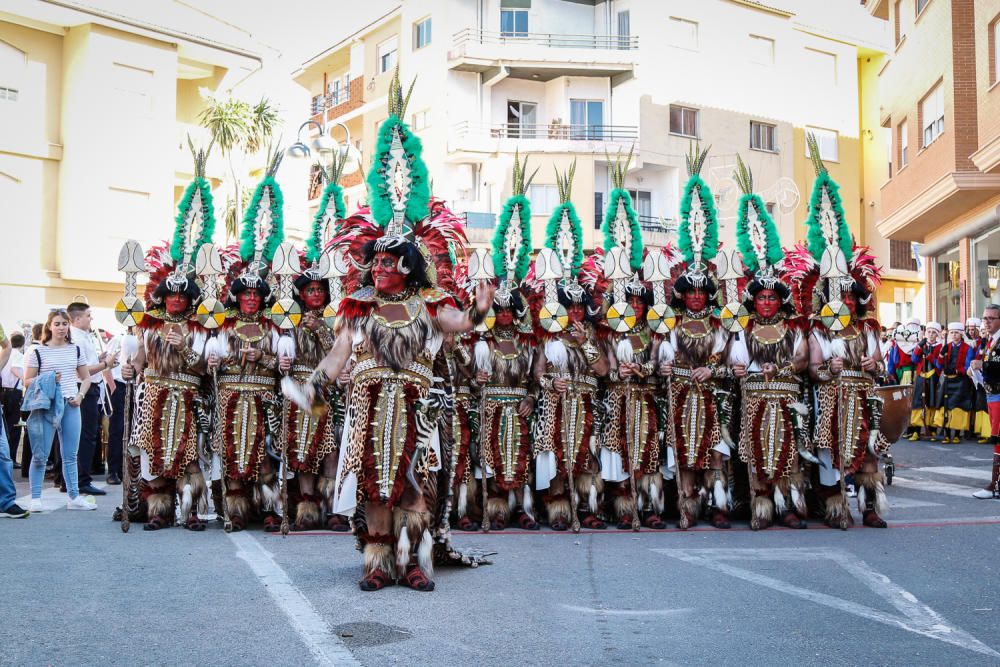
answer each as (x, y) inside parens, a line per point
(934, 195)
(374, 25)
(760, 6)
(987, 158)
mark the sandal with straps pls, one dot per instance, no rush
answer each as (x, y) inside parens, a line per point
(375, 580)
(194, 523)
(157, 523)
(415, 579)
(559, 525)
(337, 523)
(272, 524)
(525, 522)
(591, 521)
(655, 522)
(466, 524)
(871, 519)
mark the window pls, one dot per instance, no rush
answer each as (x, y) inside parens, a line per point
(921, 4)
(682, 33)
(932, 115)
(901, 256)
(642, 202)
(422, 33)
(903, 20)
(514, 22)
(8, 94)
(947, 286)
(994, 39)
(624, 29)
(822, 67)
(586, 119)
(386, 54)
(522, 118)
(420, 120)
(762, 136)
(761, 50)
(544, 199)
(684, 121)
(890, 147)
(338, 90)
(827, 140)
(904, 144)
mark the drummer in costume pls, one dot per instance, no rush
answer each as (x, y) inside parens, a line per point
(568, 361)
(393, 325)
(244, 356)
(695, 363)
(310, 441)
(770, 357)
(630, 442)
(171, 418)
(503, 362)
(956, 388)
(926, 384)
(845, 357)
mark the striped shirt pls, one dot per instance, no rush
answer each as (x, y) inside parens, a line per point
(64, 359)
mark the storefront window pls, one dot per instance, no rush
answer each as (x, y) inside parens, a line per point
(947, 288)
(986, 274)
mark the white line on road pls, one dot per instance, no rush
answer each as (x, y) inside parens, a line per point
(954, 471)
(978, 459)
(935, 487)
(325, 646)
(916, 616)
(626, 612)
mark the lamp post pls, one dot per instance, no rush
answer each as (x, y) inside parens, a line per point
(325, 147)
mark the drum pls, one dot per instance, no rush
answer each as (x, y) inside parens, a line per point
(896, 410)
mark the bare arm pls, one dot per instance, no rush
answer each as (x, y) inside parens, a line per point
(800, 361)
(816, 360)
(5, 349)
(338, 356)
(452, 320)
(540, 364)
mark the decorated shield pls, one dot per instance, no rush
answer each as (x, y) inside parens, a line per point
(835, 315)
(553, 317)
(734, 316)
(211, 313)
(130, 311)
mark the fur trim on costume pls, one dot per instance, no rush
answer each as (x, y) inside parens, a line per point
(408, 527)
(270, 493)
(162, 505)
(483, 356)
(558, 509)
(834, 507)
(589, 486)
(528, 502)
(239, 505)
(651, 486)
(795, 490)
(378, 557)
(498, 509)
(690, 504)
(307, 513)
(780, 504)
(763, 509)
(871, 488)
(463, 499)
(425, 554)
(325, 488)
(193, 492)
(718, 496)
(624, 507)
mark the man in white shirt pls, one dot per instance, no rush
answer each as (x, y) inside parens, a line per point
(90, 410)
(11, 389)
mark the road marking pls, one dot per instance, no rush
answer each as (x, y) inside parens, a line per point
(325, 646)
(935, 487)
(953, 471)
(916, 617)
(977, 459)
(626, 612)
(910, 503)
(940, 448)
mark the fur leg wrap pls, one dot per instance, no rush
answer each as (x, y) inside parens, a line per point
(763, 509)
(325, 488)
(651, 492)
(834, 507)
(796, 491)
(716, 482)
(624, 507)
(871, 492)
(378, 557)
(527, 502)
(498, 509)
(691, 505)
(239, 505)
(590, 487)
(307, 512)
(161, 504)
(193, 493)
(270, 493)
(558, 509)
(411, 528)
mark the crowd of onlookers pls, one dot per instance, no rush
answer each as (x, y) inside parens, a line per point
(62, 410)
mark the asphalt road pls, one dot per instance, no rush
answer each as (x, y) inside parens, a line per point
(76, 591)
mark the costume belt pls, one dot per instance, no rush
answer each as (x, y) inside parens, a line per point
(856, 377)
(463, 390)
(771, 387)
(584, 384)
(300, 371)
(504, 392)
(415, 372)
(173, 380)
(645, 384)
(248, 382)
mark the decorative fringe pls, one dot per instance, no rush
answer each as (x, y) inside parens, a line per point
(162, 505)
(527, 502)
(763, 509)
(871, 487)
(498, 509)
(483, 357)
(378, 557)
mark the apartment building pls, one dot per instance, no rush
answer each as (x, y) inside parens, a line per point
(565, 80)
(95, 107)
(940, 107)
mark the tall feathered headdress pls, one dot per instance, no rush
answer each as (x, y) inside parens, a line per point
(756, 234)
(621, 222)
(331, 209)
(512, 240)
(193, 228)
(698, 236)
(564, 234)
(399, 190)
(263, 229)
(827, 225)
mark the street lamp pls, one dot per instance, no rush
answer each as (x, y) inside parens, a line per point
(326, 148)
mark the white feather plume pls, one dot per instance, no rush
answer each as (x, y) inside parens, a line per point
(484, 361)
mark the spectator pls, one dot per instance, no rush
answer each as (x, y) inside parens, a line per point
(8, 493)
(116, 421)
(30, 344)
(57, 364)
(90, 410)
(11, 385)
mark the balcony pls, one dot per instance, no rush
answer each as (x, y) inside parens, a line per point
(656, 230)
(542, 56)
(479, 227)
(541, 138)
(331, 106)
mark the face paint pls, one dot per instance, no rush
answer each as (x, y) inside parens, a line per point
(505, 317)
(638, 305)
(767, 303)
(852, 304)
(576, 312)
(695, 300)
(386, 275)
(176, 303)
(314, 295)
(250, 301)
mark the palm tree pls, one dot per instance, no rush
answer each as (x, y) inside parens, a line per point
(236, 126)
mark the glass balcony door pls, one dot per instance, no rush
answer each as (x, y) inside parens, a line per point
(587, 119)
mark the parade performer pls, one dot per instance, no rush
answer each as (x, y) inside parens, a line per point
(980, 419)
(244, 357)
(693, 360)
(311, 442)
(845, 356)
(630, 442)
(568, 362)
(903, 357)
(956, 392)
(770, 357)
(171, 418)
(989, 367)
(926, 384)
(393, 325)
(503, 363)
(465, 427)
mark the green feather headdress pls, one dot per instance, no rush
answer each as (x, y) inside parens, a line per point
(512, 240)
(195, 221)
(263, 223)
(399, 190)
(331, 209)
(564, 234)
(698, 236)
(756, 234)
(621, 222)
(826, 223)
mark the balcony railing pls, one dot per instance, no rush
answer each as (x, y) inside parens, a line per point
(647, 223)
(478, 220)
(553, 131)
(547, 39)
(323, 102)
